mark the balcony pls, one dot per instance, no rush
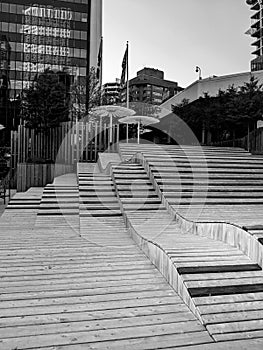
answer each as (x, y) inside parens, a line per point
(256, 43)
(255, 22)
(255, 4)
(257, 51)
(251, 2)
(257, 33)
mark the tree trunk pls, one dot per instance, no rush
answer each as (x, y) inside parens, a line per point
(203, 134)
(234, 137)
(248, 137)
(209, 137)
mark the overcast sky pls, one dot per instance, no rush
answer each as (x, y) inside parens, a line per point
(175, 36)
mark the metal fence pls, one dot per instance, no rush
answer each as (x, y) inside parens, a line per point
(252, 142)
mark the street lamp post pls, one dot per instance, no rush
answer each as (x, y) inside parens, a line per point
(198, 69)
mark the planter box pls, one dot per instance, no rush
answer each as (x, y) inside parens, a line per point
(39, 175)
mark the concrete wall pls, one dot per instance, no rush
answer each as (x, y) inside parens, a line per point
(96, 30)
(211, 85)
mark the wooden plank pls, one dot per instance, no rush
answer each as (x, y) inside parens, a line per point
(96, 302)
(81, 142)
(87, 138)
(19, 144)
(239, 335)
(225, 317)
(96, 142)
(100, 325)
(143, 310)
(110, 334)
(82, 290)
(65, 143)
(100, 130)
(232, 305)
(244, 344)
(84, 140)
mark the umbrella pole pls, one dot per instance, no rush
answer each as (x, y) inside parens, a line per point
(127, 133)
(138, 133)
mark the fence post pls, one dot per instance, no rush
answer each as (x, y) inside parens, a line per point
(96, 142)
(87, 137)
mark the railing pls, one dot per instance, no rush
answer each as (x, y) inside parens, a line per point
(241, 143)
(66, 144)
(252, 143)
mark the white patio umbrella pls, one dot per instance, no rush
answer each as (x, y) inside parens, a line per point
(112, 111)
(2, 127)
(139, 120)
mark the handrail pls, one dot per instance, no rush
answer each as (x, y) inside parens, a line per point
(251, 142)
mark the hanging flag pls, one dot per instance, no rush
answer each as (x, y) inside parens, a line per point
(124, 66)
(99, 62)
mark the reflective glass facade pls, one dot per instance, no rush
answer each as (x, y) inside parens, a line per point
(40, 34)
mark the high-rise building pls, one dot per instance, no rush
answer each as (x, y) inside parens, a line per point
(111, 92)
(256, 32)
(5, 52)
(56, 34)
(149, 86)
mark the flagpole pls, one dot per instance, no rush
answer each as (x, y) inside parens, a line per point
(101, 67)
(127, 88)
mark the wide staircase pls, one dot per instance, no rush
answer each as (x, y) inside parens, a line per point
(85, 286)
(207, 184)
(162, 252)
(59, 205)
(218, 276)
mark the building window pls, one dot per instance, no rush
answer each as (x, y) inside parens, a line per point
(5, 7)
(4, 27)
(83, 35)
(12, 27)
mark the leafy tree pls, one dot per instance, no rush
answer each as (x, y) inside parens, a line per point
(196, 114)
(251, 102)
(229, 114)
(46, 102)
(81, 104)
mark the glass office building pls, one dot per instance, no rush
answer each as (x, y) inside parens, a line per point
(40, 34)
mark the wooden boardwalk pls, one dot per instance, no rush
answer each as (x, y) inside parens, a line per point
(221, 284)
(73, 275)
(209, 275)
(85, 286)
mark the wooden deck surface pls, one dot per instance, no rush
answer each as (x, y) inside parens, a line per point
(83, 286)
(72, 276)
(218, 281)
(207, 184)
